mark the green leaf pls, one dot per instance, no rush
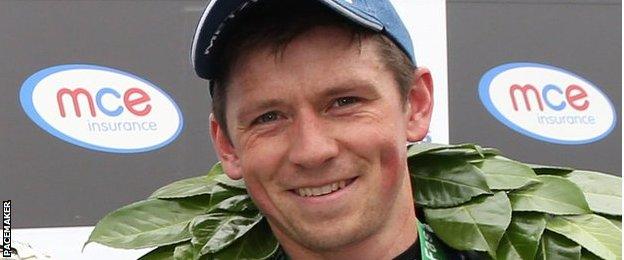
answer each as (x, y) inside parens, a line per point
(185, 251)
(230, 199)
(586, 255)
(424, 148)
(212, 232)
(421, 148)
(477, 225)
(616, 220)
(549, 170)
(186, 188)
(490, 151)
(478, 161)
(602, 191)
(522, 236)
(593, 232)
(507, 175)
(259, 243)
(149, 223)
(159, 253)
(506, 250)
(617, 223)
(554, 246)
(441, 181)
(235, 203)
(190, 187)
(225, 180)
(554, 195)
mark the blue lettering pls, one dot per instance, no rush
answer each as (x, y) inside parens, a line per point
(545, 91)
(99, 96)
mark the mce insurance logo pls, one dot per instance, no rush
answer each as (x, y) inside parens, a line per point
(547, 103)
(101, 108)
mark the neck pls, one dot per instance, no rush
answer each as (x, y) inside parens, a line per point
(395, 236)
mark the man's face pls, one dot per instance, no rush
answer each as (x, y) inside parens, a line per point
(318, 133)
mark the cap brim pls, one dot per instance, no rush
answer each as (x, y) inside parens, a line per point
(208, 30)
(214, 20)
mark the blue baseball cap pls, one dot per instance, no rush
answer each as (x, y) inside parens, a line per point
(377, 15)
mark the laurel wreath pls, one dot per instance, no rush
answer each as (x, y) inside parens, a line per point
(473, 198)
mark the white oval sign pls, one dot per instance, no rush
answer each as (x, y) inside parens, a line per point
(547, 103)
(101, 108)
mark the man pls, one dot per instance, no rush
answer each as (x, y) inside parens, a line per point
(314, 102)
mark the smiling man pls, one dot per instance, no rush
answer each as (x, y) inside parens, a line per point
(314, 102)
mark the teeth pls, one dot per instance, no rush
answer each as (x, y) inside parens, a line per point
(316, 191)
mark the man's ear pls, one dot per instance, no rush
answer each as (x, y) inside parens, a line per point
(225, 150)
(419, 105)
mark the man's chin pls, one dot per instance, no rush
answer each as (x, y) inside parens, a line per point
(332, 238)
(332, 235)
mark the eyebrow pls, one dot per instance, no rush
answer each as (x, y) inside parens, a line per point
(348, 86)
(339, 89)
(261, 105)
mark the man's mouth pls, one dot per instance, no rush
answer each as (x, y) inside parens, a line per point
(323, 190)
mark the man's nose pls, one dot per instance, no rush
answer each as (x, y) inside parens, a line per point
(312, 144)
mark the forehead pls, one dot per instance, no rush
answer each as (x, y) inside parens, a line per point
(318, 58)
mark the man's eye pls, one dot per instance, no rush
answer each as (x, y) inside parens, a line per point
(266, 118)
(344, 101)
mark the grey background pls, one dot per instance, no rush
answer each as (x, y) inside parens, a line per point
(54, 183)
(584, 37)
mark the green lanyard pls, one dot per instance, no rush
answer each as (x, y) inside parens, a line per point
(430, 248)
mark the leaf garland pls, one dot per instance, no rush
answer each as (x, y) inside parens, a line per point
(478, 225)
(593, 232)
(602, 191)
(257, 245)
(522, 237)
(442, 181)
(189, 187)
(148, 223)
(160, 253)
(215, 231)
(549, 170)
(554, 195)
(474, 199)
(554, 246)
(507, 175)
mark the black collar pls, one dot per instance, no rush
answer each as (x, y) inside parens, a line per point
(412, 253)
